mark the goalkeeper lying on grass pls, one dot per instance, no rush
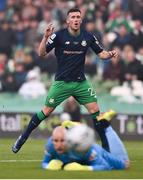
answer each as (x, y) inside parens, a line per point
(58, 156)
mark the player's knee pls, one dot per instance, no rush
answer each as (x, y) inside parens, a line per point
(93, 109)
(47, 110)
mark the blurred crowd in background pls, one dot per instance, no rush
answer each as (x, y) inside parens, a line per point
(117, 24)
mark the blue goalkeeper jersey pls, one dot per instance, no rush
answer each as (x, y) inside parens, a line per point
(70, 52)
(96, 157)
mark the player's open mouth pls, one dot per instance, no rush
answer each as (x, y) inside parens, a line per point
(60, 150)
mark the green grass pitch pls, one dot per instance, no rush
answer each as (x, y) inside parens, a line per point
(27, 163)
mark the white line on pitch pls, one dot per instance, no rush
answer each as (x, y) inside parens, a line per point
(22, 160)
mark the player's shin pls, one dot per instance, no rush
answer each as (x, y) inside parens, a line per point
(34, 122)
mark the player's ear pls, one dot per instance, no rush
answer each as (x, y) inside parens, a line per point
(81, 19)
(67, 20)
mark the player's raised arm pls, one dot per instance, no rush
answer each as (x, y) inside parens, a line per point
(42, 48)
(99, 50)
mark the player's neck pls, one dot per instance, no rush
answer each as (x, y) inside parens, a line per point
(73, 32)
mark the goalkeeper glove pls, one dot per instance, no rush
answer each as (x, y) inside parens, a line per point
(77, 167)
(53, 165)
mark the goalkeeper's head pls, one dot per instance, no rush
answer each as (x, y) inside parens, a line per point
(59, 139)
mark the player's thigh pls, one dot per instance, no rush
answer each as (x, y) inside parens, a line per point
(57, 93)
(85, 93)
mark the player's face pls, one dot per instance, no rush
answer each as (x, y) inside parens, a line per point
(59, 144)
(74, 20)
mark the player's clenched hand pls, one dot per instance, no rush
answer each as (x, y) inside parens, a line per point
(74, 166)
(113, 54)
(49, 30)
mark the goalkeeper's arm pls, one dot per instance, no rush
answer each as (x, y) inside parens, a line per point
(50, 163)
(46, 160)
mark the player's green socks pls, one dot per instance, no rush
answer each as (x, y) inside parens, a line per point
(95, 115)
(41, 116)
(100, 127)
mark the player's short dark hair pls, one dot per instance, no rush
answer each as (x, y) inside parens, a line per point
(73, 10)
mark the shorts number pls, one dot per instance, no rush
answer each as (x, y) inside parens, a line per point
(92, 92)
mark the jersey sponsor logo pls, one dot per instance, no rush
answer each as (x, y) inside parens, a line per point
(83, 43)
(67, 42)
(73, 52)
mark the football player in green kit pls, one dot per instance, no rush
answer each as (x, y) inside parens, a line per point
(71, 45)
